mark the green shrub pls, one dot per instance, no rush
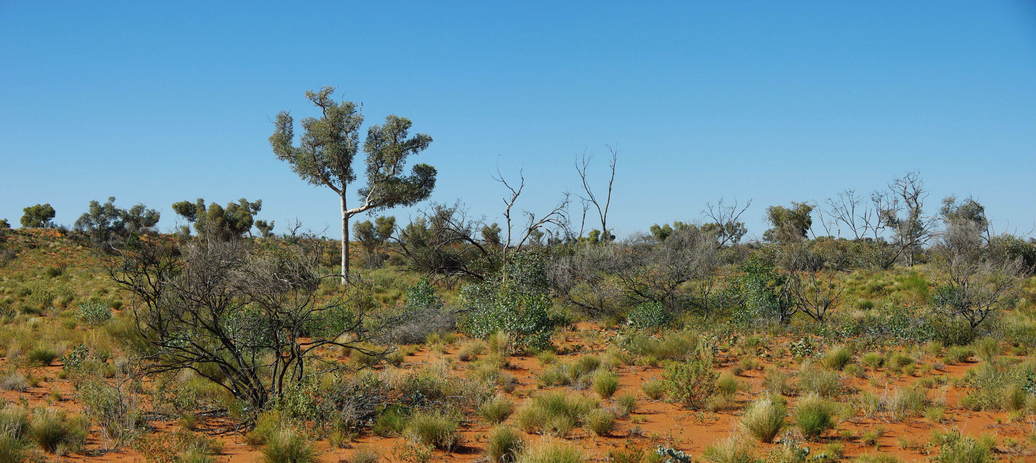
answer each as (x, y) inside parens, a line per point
(436, 430)
(552, 452)
(814, 415)
(906, 402)
(957, 354)
(727, 384)
(94, 313)
(987, 349)
(12, 448)
(554, 412)
(690, 383)
(649, 315)
(288, 446)
(516, 302)
(763, 419)
(605, 383)
(115, 412)
(266, 424)
(496, 410)
(503, 445)
(56, 432)
(626, 403)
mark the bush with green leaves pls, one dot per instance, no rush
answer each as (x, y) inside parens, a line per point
(690, 383)
(649, 315)
(957, 448)
(94, 313)
(422, 314)
(113, 410)
(56, 432)
(515, 302)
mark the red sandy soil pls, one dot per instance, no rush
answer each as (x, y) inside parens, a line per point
(651, 424)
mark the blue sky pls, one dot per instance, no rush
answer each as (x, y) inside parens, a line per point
(157, 102)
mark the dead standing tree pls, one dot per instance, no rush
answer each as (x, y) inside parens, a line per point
(601, 205)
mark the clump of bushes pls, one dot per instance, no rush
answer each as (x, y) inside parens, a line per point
(56, 432)
(516, 302)
(649, 315)
(553, 452)
(94, 313)
(555, 413)
(496, 410)
(288, 445)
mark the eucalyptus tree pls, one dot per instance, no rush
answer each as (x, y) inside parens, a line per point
(325, 152)
(38, 216)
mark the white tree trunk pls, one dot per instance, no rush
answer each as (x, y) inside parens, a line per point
(345, 242)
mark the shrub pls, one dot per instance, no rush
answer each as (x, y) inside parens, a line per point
(56, 432)
(471, 350)
(957, 354)
(551, 453)
(433, 429)
(605, 383)
(364, 455)
(777, 382)
(734, 449)
(987, 349)
(814, 415)
(94, 313)
(906, 402)
(496, 410)
(515, 302)
(838, 357)
(600, 421)
(649, 315)
(653, 389)
(115, 412)
(503, 445)
(288, 446)
(690, 383)
(727, 384)
(763, 419)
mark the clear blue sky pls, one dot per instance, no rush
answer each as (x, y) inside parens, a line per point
(157, 102)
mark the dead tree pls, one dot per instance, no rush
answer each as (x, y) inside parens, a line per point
(601, 205)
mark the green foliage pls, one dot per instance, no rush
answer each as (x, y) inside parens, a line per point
(605, 383)
(113, 410)
(515, 302)
(107, 226)
(213, 221)
(957, 448)
(94, 312)
(734, 449)
(764, 294)
(690, 383)
(788, 225)
(38, 216)
(496, 410)
(649, 315)
(600, 421)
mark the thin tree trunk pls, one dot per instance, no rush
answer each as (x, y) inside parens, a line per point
(345, 242)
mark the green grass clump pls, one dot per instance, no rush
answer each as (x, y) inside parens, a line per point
(553, 452)
(600, 421)
(56, 432)
(957, 448)
(605, 383)
(763, 419)
(837, 357)
(957, 354)
(653, 389)
(433, 429)
(825, 383)
(43, 355)
(554, 413)
(496, 410)
(814, 415)
(504, 445)
(287, 445)
(734, 449)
